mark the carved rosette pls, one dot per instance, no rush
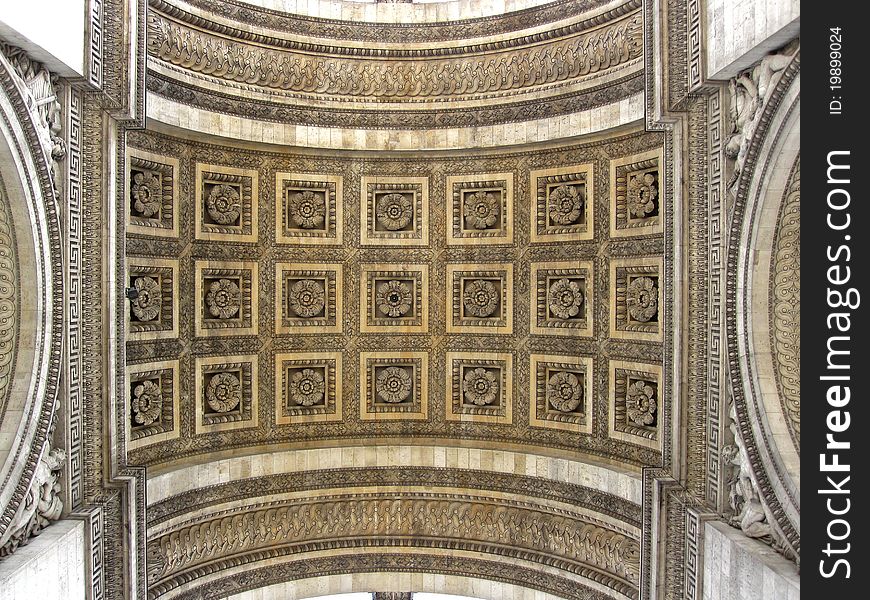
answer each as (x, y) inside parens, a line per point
(480, 387)
(307, 209)
(481, 298)
(564, 391)
(565, 204)
(642, 299)
(307, 387)
(224, 392)
(565, 298)
(394, 384)
(224, 299)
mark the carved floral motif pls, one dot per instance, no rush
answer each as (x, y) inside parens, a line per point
(643, 193)
(564, 391)
(394, 384)
(640, 403)
(307, 209)
(307, 387)
(481, 210)
(480, 298)
(224, 392)
(394, 211)
(565, 204)
(307, 298)
(480, 386)
(223, 299)
(565, 298)
(146, 306)
(642, 299)
(147, 403)
(146, 192)
(394, 298)
(224, 204)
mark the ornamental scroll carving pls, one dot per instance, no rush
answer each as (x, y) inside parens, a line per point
(564, 536)
(550, 64)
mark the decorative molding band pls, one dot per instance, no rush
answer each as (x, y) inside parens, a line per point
(74, 416)
(427, 117)
(715, 408)
(693, 567)
(94, 45)
(239, 576)
(93, 519)
(283, 23)
(323, 74)
(577, 544)
(581, 496)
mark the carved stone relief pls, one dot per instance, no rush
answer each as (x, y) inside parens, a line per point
(562, 298)
(785, 304)
(480, 387)
(636, 402)
(636, 309)
(152, 305)
(562, 392)
(394, 385)
(310, 208)
(310, 300)
(336, 303)
(151, 183)
(226, 393)
(226, 298)
(481, 208)
(153, 403)
(635, 194)
(308, 387)
(562, 204)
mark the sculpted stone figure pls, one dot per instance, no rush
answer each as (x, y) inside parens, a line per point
(749, 93)
(42, 504)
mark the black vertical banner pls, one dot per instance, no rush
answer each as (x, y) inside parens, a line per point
(835, 270)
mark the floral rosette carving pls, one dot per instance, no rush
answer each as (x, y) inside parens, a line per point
(307, 298)
(480, 298)
(565, 298)
(394, 384)
(482, 210)
(643, 192)
(642, 299)
(565, 204)
(307, 209)
(146, 305)
(564, 391)
(224, 298)
(224, 392)
(394, 211)
(641, 403)
(224, 204)
(307, 387)
(146, 193)
(147, 404)
(394, 298)
(480, 387)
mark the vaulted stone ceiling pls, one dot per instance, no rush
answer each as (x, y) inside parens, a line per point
(357, 361)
